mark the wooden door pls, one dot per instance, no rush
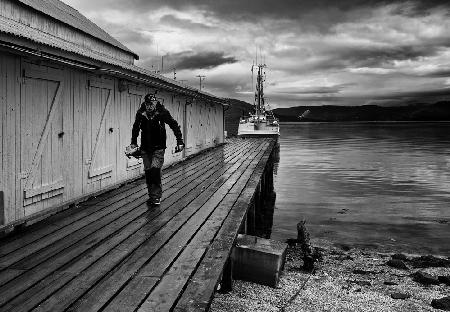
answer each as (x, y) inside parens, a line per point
(42, 136)
(208, 127)
(178, 114)
(100, 148)
(190, 128)
(200, 135)
(135, 98)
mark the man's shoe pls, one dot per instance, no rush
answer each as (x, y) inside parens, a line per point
(153, 202)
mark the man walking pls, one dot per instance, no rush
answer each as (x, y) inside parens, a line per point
(150, 120)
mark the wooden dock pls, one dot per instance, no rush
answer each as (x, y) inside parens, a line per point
(113, 253)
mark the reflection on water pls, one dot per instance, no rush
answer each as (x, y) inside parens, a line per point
(383, 185)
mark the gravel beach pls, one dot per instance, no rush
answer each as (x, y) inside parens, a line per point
(347, 279)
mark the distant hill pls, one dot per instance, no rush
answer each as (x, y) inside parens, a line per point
(420, 112)
(233, 113)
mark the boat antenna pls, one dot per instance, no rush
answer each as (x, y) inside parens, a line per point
(253, 65)
(260, 54)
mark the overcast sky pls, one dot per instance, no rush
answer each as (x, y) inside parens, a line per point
(347, 52)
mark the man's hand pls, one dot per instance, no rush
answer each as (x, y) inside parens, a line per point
(179, 147)
(132, 151)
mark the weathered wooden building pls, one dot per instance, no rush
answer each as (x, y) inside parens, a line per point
(68, 97)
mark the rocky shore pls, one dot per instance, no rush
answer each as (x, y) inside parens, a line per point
(348, 279)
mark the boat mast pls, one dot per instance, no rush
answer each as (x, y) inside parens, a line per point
(259, 96)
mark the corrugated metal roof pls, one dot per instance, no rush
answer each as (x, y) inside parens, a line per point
(23, 31)
(68, 15)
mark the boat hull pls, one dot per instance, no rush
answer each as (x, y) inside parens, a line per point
(258, 130)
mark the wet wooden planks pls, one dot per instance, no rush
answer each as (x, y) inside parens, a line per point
(112, 253)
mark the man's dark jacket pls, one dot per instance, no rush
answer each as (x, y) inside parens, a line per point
(153, 135)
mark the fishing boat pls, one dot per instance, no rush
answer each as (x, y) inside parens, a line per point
(262, 122)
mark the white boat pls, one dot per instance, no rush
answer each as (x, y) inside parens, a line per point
(262, 122)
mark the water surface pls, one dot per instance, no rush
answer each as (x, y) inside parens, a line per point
(380, 185)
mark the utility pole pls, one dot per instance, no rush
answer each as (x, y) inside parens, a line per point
(201, 78)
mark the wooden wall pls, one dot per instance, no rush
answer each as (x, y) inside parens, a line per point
(204, 126)
(64, 130)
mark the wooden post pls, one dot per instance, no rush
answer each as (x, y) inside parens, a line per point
(270, 184)
(251, 217)
(258, 204)
(243, 227)
(264, 184)
(2, 208)
(303, 236)
(226, 285)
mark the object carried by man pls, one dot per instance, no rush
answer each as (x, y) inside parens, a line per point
(133, 151)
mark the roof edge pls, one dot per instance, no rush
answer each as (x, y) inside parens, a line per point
(125, 71)
(127, 50)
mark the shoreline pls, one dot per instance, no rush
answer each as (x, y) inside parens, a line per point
(347, 279)
(365, 122)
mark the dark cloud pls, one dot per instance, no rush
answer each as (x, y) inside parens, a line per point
(370, 56)
(236, 9)
(352, 52)
(345, 57)
(197, 60)
(438, 73)
(317, 15)
(420, 8)
(312, 16)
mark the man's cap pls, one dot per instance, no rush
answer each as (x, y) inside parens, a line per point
(150, 98)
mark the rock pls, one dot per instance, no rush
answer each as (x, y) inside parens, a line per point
(443, 303)
(424, 278)
(444, 279)
(391, 283)
(398, 264)
(308, 262)
(292, 242)
(429, 261)
(398, 295)
(363, 272)
(399, 256)
(345, 247)
(360, 283)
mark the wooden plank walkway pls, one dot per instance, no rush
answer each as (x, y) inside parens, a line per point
(112, 253)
